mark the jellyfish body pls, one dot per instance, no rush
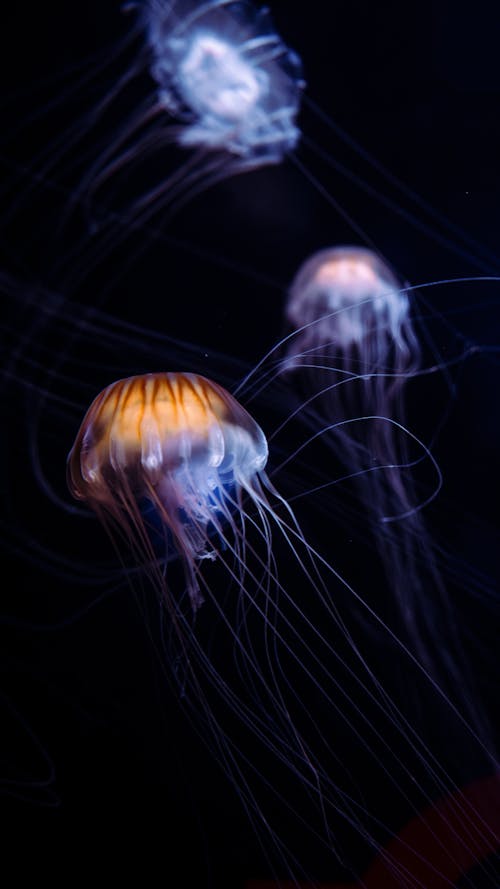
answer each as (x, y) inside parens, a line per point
(222, 70)
(226, 78)
(177, 441)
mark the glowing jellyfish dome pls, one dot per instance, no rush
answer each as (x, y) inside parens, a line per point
(222, 69)
(179, 442)
(343, 299)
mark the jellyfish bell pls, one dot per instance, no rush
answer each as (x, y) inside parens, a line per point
(178, 441)
(346, 301)
(222, 69)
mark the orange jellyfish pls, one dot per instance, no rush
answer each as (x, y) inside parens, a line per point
(172, 464)
(175, 445)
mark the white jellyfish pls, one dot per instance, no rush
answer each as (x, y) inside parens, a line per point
(352, 350)
(224, 72)
(225, 86)
(208, 90)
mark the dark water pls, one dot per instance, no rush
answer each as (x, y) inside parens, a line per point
(101, 769)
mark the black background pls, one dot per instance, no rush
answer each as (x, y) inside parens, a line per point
(100, 768)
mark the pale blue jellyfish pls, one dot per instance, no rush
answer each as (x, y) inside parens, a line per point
(352, 352)
(225, 86)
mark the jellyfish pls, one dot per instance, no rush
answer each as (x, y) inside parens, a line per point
(229, 84)
(182, 444)
(222, 84)
(351, 353)
(221, 69)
